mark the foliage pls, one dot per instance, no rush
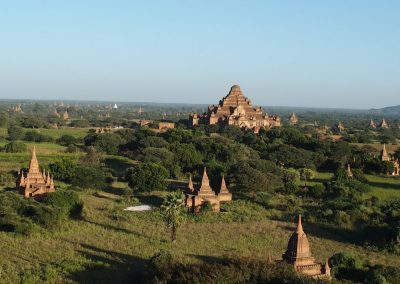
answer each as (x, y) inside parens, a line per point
(66, 140)
(63, 169)
(147, 177)
(35, 136)
(89, 177)
(173, 211)
(15, 147)
(15, 132)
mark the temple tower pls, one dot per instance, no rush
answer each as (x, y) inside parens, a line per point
(384, 154)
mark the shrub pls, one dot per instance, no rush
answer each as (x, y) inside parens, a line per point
(147, 177)
(15, 132)
(67, 200)
(36, 136)
(14, 147)
(66, 140)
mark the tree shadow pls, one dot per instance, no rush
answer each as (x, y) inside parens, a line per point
(113, 190)
(107, 266)
(384, 185)
(118, 166)
(123, 230)
(152, 200)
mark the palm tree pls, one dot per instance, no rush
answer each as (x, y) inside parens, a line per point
(173, 209)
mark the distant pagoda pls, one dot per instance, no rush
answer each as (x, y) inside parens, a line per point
(293, 119)
(236, 109)
(384, 124)
(34, 183)
(298, 254)
(372, 124)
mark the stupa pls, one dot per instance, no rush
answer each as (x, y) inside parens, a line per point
(236, 109)
(293, 119)
(384, 124)
(298, 254)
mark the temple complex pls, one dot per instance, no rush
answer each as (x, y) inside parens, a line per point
(372, 124)
(385, 157)
(34, 183)
(384, 124)
(195, 198)
(298, 254)
(236, 109)
(293, 119)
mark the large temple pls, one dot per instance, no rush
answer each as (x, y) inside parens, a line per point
(236, 109)
(33, 183)
(195, 198)
(298, 254)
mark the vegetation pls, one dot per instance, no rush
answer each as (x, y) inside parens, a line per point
(81, 233)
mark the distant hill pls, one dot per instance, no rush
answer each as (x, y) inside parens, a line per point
(392, 110)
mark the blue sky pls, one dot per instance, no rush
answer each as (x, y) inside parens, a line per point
(322, 53)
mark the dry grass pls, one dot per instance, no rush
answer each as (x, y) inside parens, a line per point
(110, 243)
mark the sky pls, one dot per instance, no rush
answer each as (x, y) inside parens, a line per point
(322, 53)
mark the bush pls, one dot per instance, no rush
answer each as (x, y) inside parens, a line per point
(89, 177)
(147, 177)
(15, 132)
(14, 147)
(66, 140)
(64, 169)
(67, 200)
(36, 136)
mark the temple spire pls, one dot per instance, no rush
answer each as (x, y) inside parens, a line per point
(223, 185)
(190, 184)
(34, 164)
(299, 226)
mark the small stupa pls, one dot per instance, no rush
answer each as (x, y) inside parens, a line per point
(293, 119)
(298, 254)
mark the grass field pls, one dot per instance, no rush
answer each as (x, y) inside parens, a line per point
(109, 244)
(55, 133)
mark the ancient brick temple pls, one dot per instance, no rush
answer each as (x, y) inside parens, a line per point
(298, 254)
(195, 198)
(385, 157)
(34, 183)
(235, 109)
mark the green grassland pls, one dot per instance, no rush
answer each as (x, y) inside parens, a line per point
(55, 133)
(110, 244)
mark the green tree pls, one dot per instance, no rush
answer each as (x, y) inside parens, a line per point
(89, 177)
(108, 143)
(15, 147)
(66, 140)
(290, 175)
(173, 210)
(3, 119)
(64, 169)
(306, 175)
(147, 177)
(15, 132)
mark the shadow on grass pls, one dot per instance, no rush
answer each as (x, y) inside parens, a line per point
(106, 266)
(152, 200)
(118, 166)
(113, 190)
(123, 230)
(384, 185)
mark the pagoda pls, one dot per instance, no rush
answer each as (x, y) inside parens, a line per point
(372, 124)
(235, 109)
(349, 172)
(298, 254)
(223, 193)
(384, 124)
(34, 183)
(195, 198)
(293, 119)
(386, 158)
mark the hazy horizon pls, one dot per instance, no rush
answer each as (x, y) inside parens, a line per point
(323, 54)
